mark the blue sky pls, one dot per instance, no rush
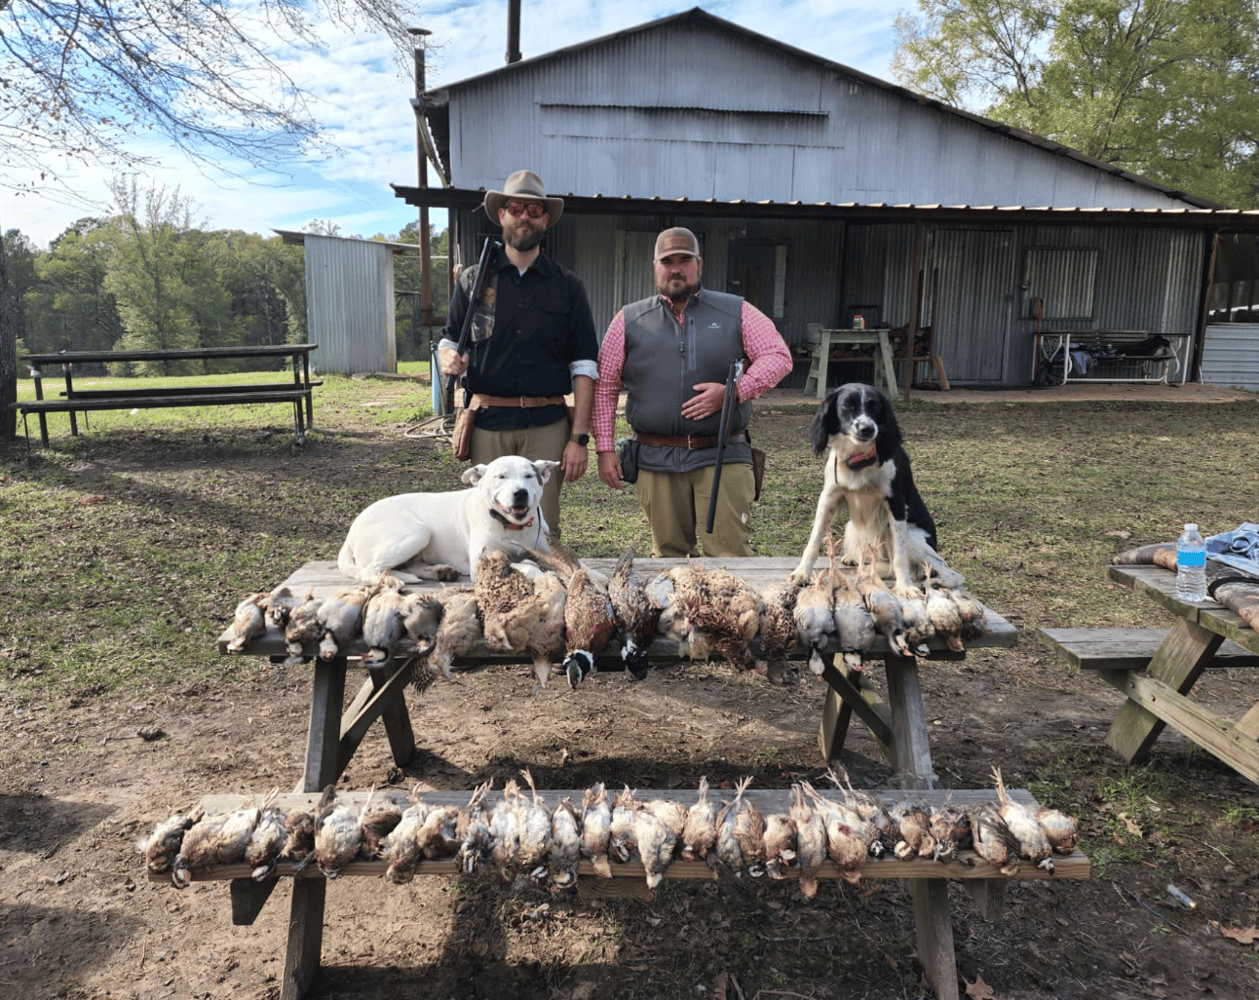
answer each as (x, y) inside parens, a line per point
(363, 99)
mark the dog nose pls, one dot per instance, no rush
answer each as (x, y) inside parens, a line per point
(865, 428)
(520, 498)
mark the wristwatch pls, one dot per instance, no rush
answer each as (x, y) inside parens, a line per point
(581, 439)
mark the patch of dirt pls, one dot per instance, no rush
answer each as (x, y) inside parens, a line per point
(79, 917)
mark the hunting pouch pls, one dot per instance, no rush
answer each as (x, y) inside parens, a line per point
(461, 436)
(627, 452)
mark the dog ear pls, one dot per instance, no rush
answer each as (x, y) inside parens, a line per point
(472, 475)
(825, 422)
(544, 468)
(889, 438)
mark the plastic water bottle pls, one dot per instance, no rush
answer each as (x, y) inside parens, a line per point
(1191, 565)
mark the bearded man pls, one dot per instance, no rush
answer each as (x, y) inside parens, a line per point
(532, 342)
(670, 354)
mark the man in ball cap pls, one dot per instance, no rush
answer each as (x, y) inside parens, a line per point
(533, 341)
(671, 353)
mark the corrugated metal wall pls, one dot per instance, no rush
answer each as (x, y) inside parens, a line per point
(695, 111)
(350, 305)
(1230, 356)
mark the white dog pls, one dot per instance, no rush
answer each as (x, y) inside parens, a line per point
(438, 536)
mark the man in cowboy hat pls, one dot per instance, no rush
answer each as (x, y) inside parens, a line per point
(533, 341)
(671, 353)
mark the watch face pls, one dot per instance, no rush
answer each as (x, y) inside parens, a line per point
(582, 439)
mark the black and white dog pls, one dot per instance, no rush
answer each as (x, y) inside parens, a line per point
(867, 468)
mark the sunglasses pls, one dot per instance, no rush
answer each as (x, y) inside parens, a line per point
(532, 209)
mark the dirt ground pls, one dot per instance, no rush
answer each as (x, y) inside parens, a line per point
(79, 917)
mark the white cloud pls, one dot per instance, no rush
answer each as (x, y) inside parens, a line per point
(358, 92)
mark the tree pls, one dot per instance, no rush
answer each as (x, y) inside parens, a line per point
(20, 254)
(85, 78)
(69, 308)
(1168, 89)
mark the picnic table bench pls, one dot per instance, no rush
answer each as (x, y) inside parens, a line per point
(1109, 356)
(74, 400)
(1157, 670)
(899, 725)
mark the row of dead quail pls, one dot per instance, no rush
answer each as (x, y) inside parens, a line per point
(525, 835)
(557, 610)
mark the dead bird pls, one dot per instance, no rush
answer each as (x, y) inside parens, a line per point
(944, 615)
(338, 831)
(992, 839)
(589, 621)
(248, 622)
(505, 596)
(565, 852)
(279, 606)
(725, 613)
(476, 841)
(198, 850)
(302, 628)
(1061, 830)
(741, 833)
(844, 845)
(1023, 824)
(422, 619)
(810, 839)
(700, 830)
(672, 624)
(400, 850)
(384, 623)
(505, 830)
(377, 823)
(596, 828)
(439, 836)
(535, 828)
(161, 847)
(974, 614)
(299, 842)
(266, 843)
(776, 629)
(341, 619)
(870, 810)
(883, 605)
(918, 627)
(457, 635)
(814, 617)
(950, 826)
(546, 639)
(854, 628)
(636, 616)
(655, 842)
(914, 824)
(621, 842)
(780, 843)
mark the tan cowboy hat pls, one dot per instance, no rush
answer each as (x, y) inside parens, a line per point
(522, 184)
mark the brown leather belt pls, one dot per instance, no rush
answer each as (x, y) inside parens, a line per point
(480, 401)
(692, 441)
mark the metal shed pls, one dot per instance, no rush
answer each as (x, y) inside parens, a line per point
(350, 301)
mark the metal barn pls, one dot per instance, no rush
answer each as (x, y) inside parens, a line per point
(819, 192)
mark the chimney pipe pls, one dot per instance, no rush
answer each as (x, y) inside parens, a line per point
(513, 31)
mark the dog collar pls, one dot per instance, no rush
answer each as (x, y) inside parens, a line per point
(862, 459)
(508, 524)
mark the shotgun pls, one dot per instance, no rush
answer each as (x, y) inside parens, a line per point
(474, 297)
(723, 431)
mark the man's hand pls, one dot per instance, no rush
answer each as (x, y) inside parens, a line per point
(610, 469)
(451, 361)
(706, 401)
(574, 461)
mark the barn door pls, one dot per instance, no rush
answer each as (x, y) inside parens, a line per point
(635, 278)
(970, 283)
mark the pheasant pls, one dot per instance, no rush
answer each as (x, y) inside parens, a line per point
(635, 614)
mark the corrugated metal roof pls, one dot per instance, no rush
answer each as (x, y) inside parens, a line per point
(298, 238)
(1196, 218)
(436, 101)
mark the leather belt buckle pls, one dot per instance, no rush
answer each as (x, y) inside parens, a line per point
(692, 442)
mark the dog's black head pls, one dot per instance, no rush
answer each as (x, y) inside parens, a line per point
(857, 420)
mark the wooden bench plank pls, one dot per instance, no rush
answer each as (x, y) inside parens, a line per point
(1129, 648)
(195, 390)
(119, 401)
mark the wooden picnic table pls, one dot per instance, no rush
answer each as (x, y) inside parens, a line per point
(899, 725)
(1160, 694)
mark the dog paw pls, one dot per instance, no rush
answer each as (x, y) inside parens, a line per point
(446, 573)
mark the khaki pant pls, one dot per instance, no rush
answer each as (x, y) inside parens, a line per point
(534, 443)
(676, 505)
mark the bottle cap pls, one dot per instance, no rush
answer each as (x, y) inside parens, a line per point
(1191, 527)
